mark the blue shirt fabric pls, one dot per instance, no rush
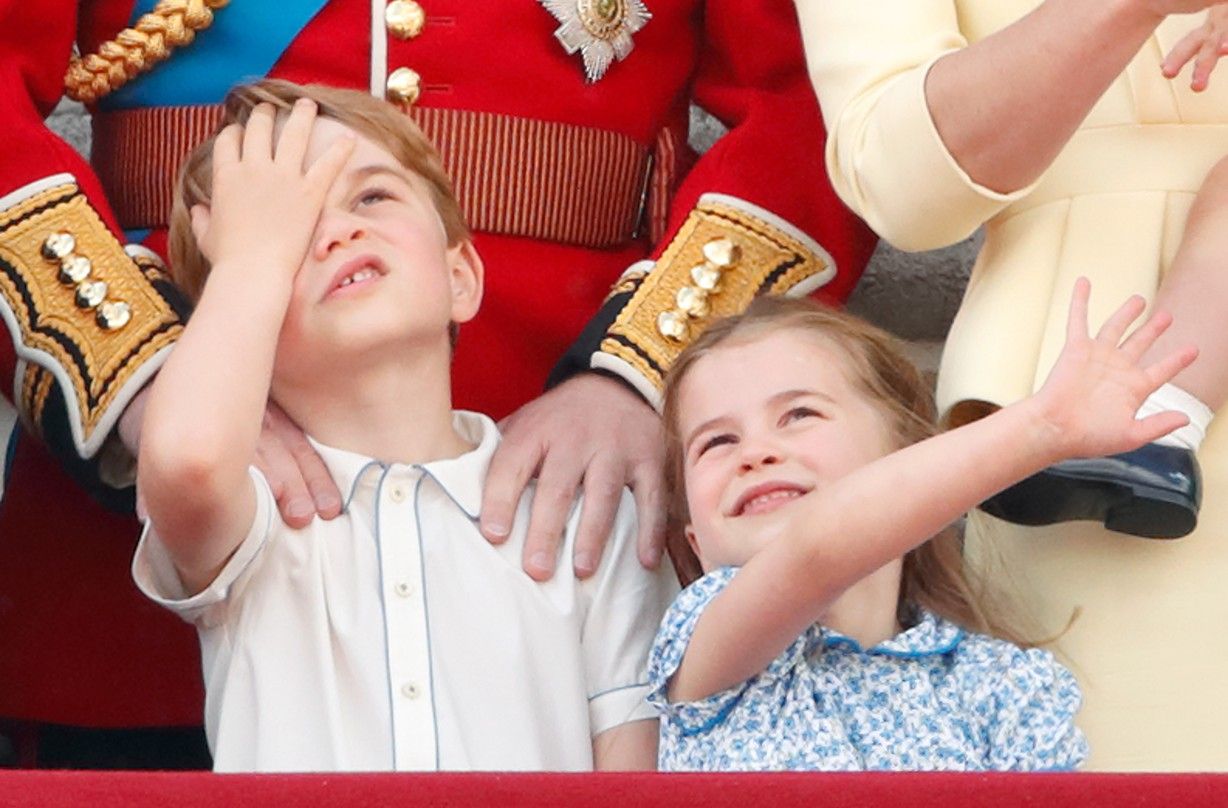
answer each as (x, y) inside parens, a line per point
(935, 697)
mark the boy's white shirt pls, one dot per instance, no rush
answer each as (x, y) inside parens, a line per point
(396, 637)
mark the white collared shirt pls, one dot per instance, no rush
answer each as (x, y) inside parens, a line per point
(396, 637)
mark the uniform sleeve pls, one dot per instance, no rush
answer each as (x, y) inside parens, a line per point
(756, 214)
(1032, 726)
(625, 605)
(156, 577)
(86, 323)
(868, 63)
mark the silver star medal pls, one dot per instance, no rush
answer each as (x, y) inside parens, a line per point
(600, 29)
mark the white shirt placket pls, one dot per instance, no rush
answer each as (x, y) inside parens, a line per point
(414, 734)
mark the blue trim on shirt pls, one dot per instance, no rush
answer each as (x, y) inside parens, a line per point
(244, 42)
(616, 689)
(426, 614)
(383, 608)
(136, 236)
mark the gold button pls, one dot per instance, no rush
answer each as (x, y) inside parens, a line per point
(114, 315)
(722, 253)
(410, 690)
(706, 276)
(404, 588)
(397, 493)
(672, 325)
(692, 301)
(58, 246)
(404, 18)
(74, 269)
(404, 85)
(91, 294)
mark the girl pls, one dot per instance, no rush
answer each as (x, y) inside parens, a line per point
(833, 628)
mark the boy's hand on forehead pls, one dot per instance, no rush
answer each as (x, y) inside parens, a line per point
(1088, 403)
(265, 200)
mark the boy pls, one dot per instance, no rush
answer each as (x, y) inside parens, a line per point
(393, 637)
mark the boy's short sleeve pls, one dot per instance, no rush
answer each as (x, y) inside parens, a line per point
(625, 605)
(156, 576)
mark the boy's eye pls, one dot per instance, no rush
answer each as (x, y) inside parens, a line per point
(370, 196)
(713, 442)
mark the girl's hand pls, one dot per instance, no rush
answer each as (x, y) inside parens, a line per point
(1089, 401)
(1205, 44)
(266, 200)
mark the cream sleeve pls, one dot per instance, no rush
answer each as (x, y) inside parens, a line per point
(868, 60)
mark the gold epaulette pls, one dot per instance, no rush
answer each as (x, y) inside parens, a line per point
(81, 311)
(171, 24)
(726, 252)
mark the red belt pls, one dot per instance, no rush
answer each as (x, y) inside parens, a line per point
(513, 176)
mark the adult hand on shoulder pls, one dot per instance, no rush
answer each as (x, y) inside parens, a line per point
(297, 475)
(591, 432)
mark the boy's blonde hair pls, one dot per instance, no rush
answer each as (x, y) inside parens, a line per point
(934, 576)
(378, 121)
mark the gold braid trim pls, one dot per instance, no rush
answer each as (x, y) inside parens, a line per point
(171, 24)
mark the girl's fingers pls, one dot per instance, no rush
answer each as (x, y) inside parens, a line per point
(1145, 335)
(1114, 328)
(1164, 370)
(295, 133)
(1154, 427)
(1076, 320)
(258, 134)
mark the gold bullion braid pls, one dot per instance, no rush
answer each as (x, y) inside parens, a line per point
(171, 24)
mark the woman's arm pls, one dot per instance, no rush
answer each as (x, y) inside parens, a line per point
(921, 123)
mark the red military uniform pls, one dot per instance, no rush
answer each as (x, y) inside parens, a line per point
(568, 183)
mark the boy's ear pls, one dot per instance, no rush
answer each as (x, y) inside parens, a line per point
(468, 276)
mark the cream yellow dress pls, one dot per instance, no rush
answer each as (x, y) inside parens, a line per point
(1150, 640)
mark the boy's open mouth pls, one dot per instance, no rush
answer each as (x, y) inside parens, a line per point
(357, 271)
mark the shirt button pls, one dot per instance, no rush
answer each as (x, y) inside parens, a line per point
(404, 85)
(404, 18)
(397, 493)
(404, 588)
(410, 690)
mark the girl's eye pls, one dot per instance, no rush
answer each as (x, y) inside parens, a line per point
(798, 413)
(713, 442)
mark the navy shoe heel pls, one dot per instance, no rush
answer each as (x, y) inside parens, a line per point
(1153, 492)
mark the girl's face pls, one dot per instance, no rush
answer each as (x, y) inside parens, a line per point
(764, 424)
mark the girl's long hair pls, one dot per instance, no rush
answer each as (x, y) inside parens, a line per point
(934, 575)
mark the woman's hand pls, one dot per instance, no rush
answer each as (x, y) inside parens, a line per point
(1092, 394)
(1205, 44)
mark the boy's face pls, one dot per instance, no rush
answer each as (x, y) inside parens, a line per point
(764, 423)
(378, 274)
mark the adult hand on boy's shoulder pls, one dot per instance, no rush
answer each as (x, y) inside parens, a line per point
(590, 432)
(295, 472)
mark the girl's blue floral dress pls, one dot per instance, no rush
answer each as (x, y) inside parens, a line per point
(935, 697)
